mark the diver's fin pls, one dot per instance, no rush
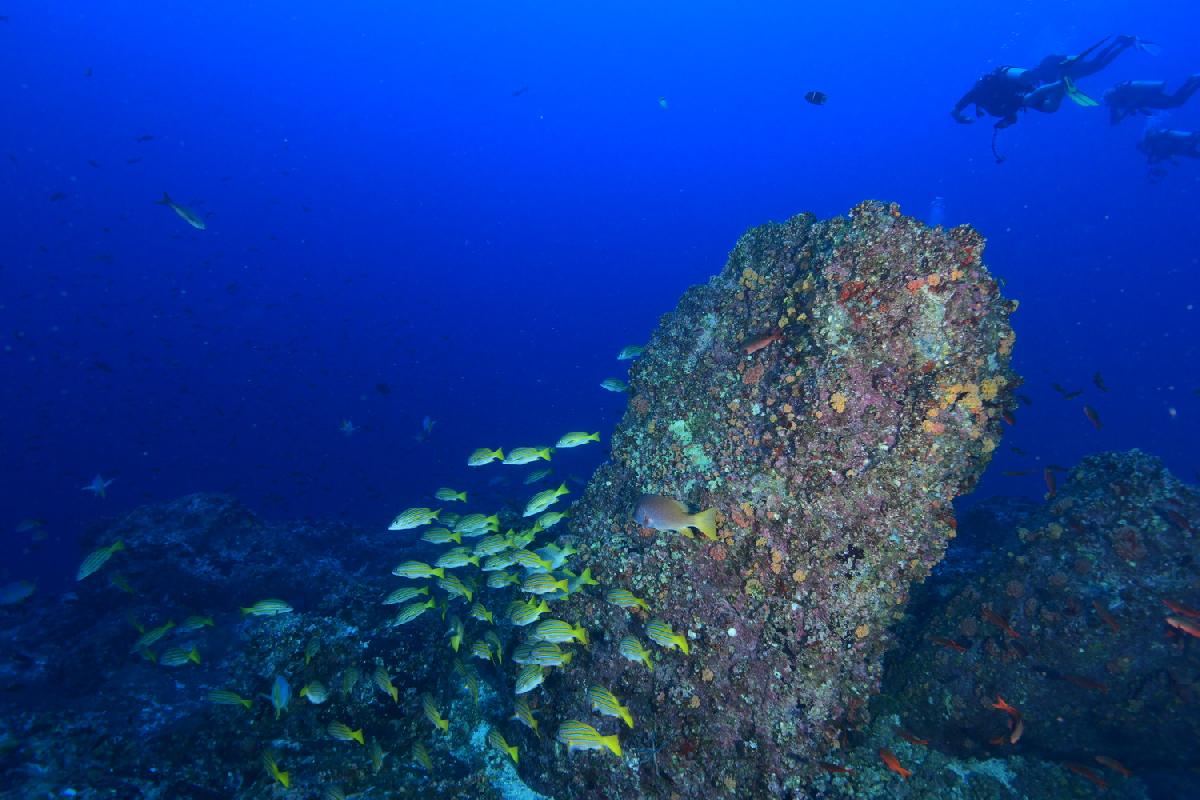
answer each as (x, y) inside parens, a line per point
(1078, 97)
(1149, 48)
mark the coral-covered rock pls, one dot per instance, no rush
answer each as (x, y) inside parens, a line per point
(829, 394)
(1089, 657)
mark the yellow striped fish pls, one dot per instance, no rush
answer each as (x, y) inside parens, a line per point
(484, 456)
(524, 613)
(555, 630)
(417, 569)
(267, 608)
(606, 703)
(480, 613)
(274, 771)
(447, 495)
(433, 714)
(404, 594)
(578, 735)
(549, 654)
(421, 756)
(496, 740)
(524, 455)
(634, 650)
(543, 583)
(623, 598)
(529, 678)
(341, 731)
(455, 587)
(413, 518)
(524, 714)
(412, 611)
(97, 559)
(660, 632)
(384, 682)
(224, 697)
(441, 536)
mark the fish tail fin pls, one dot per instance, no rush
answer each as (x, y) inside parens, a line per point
(246, 611)
(245, 703)
(498, 453)
(593, 437)
(358, 736)
(706, 523)
(625, 715)
(612, 743)
(194, 656)
(436, 513)
(581, 632)
(395, 693)
(116, 546)
(682, 641)
(462, 496)
(456, 537)
(512, 752)
(166, 200)
(439, 572)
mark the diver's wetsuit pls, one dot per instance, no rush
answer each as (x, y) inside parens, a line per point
(1139, 97)
(1056, 67)
(1165, 145)
(1000, 93)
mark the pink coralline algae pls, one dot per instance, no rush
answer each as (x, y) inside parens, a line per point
(832, 456)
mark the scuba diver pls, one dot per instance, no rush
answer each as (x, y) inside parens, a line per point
(1164, 145)
(1007, 90)
(1139, 97)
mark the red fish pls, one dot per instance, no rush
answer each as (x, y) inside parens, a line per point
(1051, 484)
(1114, 765)
(836, 769)
(1092, 416)
(911, 738)
(893, 763)
(949, 644)
(1179, 608)
(1003, 705)
(752, 346)
(1188, 626)
(1000, 622)
(1103, 613)
(1085, 773)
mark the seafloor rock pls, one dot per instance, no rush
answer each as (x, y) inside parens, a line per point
(85, 714)
(1089, 661)
(832, 453)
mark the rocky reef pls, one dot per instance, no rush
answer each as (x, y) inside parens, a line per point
(829, 393)
(1069, 627)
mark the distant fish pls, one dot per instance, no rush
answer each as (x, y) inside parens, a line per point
(274, 771)
(577, 438)
(281, 693)
(267, 608)
(578, 735)
(614, 385)
(496, 740)
(630, 351)
(145, 137)
(891, 762)
(97, 559)
(178, 656)
(186, 214)
(450, 495)
(752, 346)
(662, 102)
(224, 697)
(483, 455)
(1098, 379)
(348, 428)
(99, 486)
(15, 593)
(544, 499)
(519, 92)
(1092, 416)
(816, 98)
(426, 428)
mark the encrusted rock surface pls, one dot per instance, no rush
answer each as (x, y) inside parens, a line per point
(1090, 662)
(831, 454)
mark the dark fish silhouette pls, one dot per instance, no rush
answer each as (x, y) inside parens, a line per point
(816, 98)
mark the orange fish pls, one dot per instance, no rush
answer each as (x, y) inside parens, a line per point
(893, 763)
(1018, 728)
(1000, 622)
(1085, 773)
(1188, 626)
(1114, 765)
(1179, 608)
(1103, 613)
(752, 346)
(1092, 416)
(1002, 705)
(910, 738)
(1051, 484)
(949, 644)
(836, 769)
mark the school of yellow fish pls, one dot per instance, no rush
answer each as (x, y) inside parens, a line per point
(482, 584)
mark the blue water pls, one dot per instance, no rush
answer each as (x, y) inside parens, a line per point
(478, 204)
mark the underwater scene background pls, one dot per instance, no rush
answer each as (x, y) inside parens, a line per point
(599, 400)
